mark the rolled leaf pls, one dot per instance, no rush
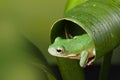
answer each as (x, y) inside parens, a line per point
(99, 19)
(72, 3)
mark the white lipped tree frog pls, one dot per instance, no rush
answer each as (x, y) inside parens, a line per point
(79, 47)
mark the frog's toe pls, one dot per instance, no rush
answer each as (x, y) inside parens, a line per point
(83, 59)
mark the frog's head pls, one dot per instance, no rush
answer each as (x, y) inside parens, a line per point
(58, 48)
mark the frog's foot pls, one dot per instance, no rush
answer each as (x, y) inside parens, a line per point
(90, 60)
(86, 59)
(91, 57)
(83, 58)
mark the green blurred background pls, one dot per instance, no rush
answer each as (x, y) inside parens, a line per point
(34, 19)
(37, 17)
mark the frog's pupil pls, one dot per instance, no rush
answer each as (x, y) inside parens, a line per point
(59, 50)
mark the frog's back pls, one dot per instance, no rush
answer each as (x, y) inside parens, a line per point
(83, 38)
(78, 43)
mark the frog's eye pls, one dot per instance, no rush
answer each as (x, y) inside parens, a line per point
(60, 50)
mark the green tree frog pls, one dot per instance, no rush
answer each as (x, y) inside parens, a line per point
(79, 47)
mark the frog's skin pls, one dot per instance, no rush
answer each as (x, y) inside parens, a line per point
(79, 47)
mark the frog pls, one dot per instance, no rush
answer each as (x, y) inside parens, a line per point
(80, 47)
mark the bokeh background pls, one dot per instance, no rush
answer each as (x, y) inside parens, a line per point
(33, 18)
(37, 17)
(24, 36)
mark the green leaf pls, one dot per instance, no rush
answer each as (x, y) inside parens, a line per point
(20, 59)
(101, 23)
(99, 19)
(70, 69)
(72, 3)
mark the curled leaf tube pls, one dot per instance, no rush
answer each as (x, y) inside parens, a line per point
(100, 20)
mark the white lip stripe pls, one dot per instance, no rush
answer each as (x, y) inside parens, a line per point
(51, 51)
(71, 55)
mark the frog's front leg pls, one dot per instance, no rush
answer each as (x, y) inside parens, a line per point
(87, 58)
(83, 58)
